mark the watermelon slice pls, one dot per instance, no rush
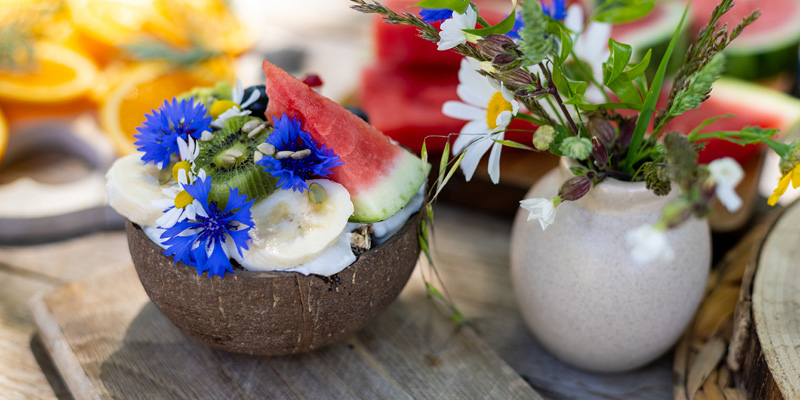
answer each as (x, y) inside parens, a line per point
(654, 31)
(752, 105)
(380, 176)
(768, 46)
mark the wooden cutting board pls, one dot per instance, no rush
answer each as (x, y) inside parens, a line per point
(109, 341)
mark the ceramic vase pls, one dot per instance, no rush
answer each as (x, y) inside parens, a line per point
(580, 292)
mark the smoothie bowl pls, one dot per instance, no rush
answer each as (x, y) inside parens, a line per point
(268, 220)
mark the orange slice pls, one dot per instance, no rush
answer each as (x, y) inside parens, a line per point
(141, 90)
(210, 22)
(3, 135)
(59, 74)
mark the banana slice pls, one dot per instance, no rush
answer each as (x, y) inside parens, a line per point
(290, 230)
(131, 187)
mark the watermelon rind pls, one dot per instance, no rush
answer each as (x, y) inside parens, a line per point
(391, 194)
(753, 65)
(765, 53)
(755, 98)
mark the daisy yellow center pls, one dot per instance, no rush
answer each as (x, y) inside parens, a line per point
(497, 104)
(183, 165)
(183, 199)
(220, 107)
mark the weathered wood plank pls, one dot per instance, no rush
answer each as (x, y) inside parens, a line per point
(20, 376)
(121, 346)
(26, 371)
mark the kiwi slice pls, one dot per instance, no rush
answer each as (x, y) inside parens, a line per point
(228, 157)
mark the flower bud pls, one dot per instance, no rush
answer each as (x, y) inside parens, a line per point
(495, 44)
(519, 78)
(577, 148)
(626, 132)
(543, 137)
(601, 128)
(503, 59)
(599, 152)
(575, 188)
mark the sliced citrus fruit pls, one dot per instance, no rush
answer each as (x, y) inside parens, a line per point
(209, 22)
(142, 90)
(3, 135)
(59, 73)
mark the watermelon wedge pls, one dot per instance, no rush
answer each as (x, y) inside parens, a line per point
(752, 105)
(654, 31)
(380, 175)
(768, 46)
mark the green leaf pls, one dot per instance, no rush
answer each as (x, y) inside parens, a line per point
(503, 27)
(565, 85)
(618, 59)
(566, 44)
(443, 166)
(511, 143)
(652, 96)
(706, 123)
(458, 6)
(450, 173)
(426, 168)
(638, 69)
(627, 92)
(582, 103)
(621, 11)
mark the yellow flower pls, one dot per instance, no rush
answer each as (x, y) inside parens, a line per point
(793, 176)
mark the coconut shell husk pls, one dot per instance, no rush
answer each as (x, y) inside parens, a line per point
(275, 313)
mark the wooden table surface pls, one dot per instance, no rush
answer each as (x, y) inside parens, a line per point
(471, 252)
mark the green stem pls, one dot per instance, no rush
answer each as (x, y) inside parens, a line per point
(557, 96)
(531, 119)
(558, 114)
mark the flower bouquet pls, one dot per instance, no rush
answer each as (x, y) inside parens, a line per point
(611, 252)
(267, 220)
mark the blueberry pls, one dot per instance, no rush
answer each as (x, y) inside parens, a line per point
(358, 112)
(259, 107)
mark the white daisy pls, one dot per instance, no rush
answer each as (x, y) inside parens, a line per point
(452, 30)
(489, 109)
(179, 205)
(237, 96)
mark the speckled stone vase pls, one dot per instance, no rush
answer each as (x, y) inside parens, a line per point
(580, 293)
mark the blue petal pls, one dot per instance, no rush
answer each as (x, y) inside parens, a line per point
(158, 136)
(431, 15)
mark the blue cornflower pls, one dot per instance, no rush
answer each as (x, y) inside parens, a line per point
(313, 160)
(555, 9)
(204, 242)
(431, 15)
(158, 135)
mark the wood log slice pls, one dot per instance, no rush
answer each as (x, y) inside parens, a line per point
(771, 368)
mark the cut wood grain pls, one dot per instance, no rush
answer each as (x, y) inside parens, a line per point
(775, 313)
(109, 341)
(20, 376)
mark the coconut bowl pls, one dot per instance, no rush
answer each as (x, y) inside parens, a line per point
(275, 313)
